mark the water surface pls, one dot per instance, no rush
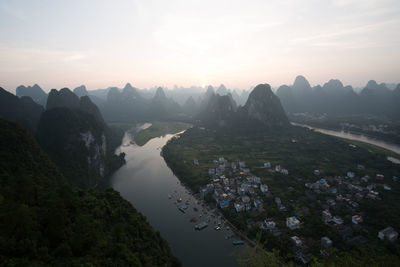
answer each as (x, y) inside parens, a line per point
(357, 137)
(146, 181)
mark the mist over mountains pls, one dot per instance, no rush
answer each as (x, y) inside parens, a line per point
(336, 99)
(133, 104)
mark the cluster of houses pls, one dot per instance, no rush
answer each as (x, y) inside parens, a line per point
(344, 193)
(244, 192)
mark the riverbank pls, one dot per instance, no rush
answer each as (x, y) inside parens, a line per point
(389, 149)
(146, 181)
(159, 129)
(355, 136)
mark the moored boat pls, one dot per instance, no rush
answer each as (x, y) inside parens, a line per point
(201, 226)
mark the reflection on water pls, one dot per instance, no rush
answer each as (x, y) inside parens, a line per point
(357, 137)
(146, 182)
(394, 160)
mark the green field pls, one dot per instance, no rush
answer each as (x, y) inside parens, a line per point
(159, 129)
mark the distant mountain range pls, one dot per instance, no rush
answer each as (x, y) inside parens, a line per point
(336, 99)
(130, 104)
(35, 92)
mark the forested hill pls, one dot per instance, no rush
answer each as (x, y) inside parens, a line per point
(44, 221)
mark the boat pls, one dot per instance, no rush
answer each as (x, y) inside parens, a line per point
(217, 228)
(238, 242)
(201, 226)
(179, 199)
(169, 196)
(182, 208)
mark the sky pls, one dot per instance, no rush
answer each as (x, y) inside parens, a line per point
(58, 43)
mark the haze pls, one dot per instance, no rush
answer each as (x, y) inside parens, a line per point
(238, 43)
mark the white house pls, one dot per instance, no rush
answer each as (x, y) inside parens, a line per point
(297, 241)
(263, 188)
(337, 220)
(389, 234)
(239, 207)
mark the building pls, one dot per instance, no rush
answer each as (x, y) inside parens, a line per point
(350, 174)
(389, 234)
(224, 204)
(242, 164)
(264, 188)
(206, 189)
(245, 199)
(278, 168)
(196, 162)
(356, 219)
(386, 187)
(337, 220)
(292, 223)
(246, 170)
(268, 225)
(326, 242)
(233, 165)
(326, 216)
(239, 207)
(267, 165)
(296, 241)
(258, 204)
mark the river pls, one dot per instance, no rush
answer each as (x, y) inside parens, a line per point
(145, 181)
(358, 137)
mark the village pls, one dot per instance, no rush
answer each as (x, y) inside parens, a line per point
(232, 187)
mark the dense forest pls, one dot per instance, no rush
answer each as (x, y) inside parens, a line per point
(45, 221)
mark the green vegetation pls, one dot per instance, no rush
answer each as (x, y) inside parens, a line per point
(158, 129)
(373, 148)
(301, 151)
(44, 221)
(60, 134)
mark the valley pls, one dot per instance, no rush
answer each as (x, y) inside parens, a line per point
(258, 181)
